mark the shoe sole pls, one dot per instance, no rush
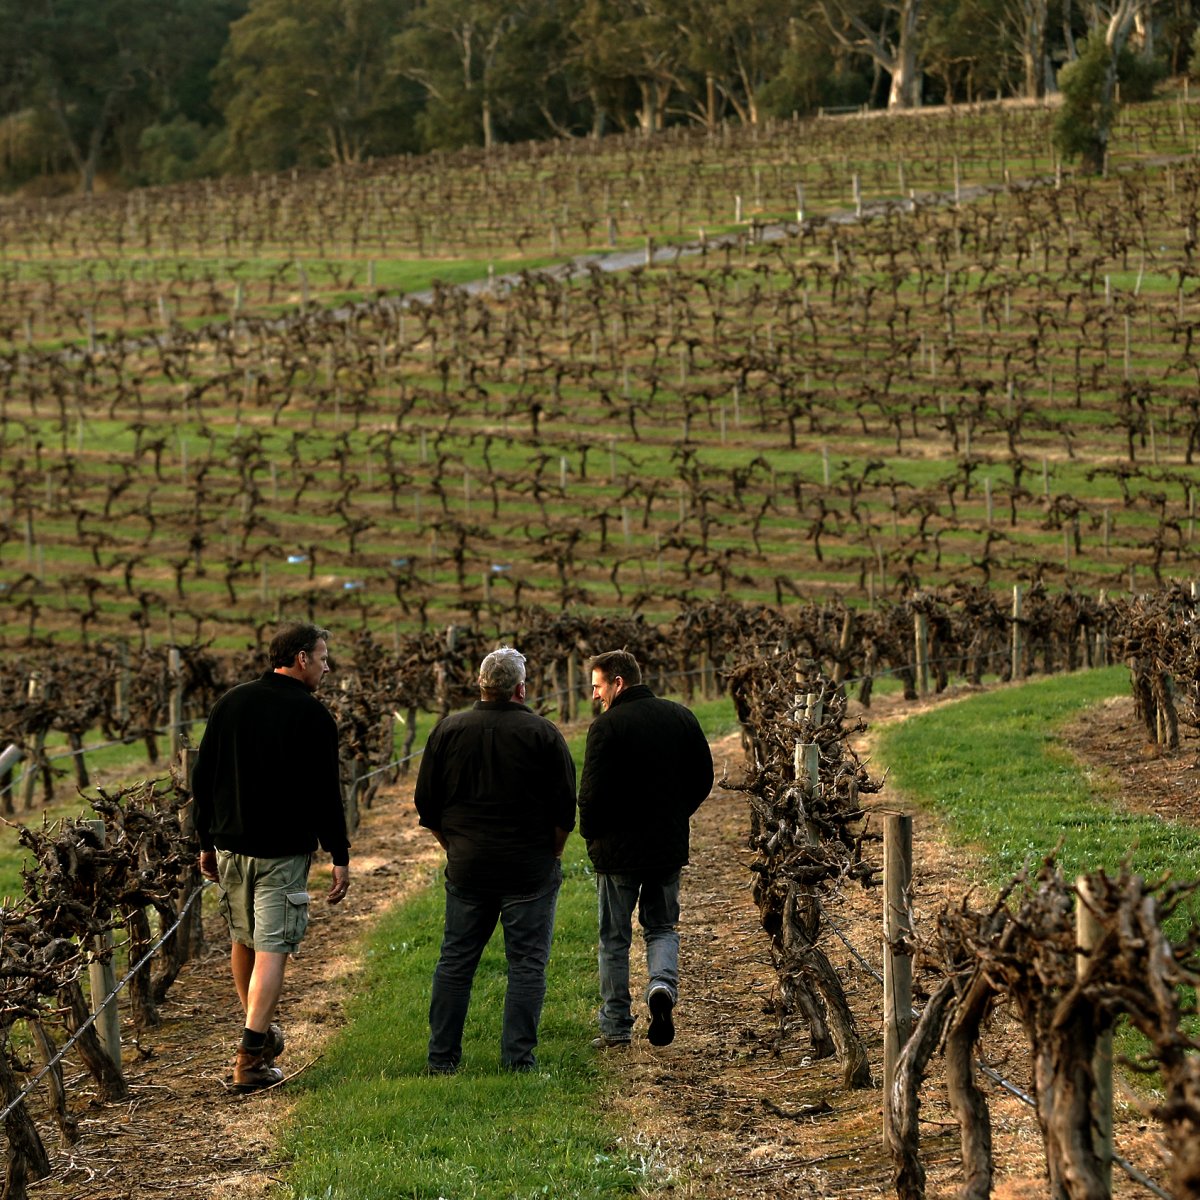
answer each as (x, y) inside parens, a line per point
(246, 1088)
(662, 1023)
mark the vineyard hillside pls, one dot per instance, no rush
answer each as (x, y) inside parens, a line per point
(962, 365)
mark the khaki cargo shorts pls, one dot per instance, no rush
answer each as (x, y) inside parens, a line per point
(264, 900)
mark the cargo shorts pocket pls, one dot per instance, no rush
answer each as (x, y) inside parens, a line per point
(295, 919)
(231, 891)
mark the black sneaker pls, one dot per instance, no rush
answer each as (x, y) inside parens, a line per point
(662, 1026)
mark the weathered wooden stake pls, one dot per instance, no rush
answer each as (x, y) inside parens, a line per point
(1088, 935)
(175, 701)
(102, 979)
(897, 960)
(1017, 672)
(921, 639)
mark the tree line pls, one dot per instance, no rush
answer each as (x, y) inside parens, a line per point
(135, 92)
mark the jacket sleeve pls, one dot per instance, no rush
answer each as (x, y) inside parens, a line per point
(332, 827)
(564, 800)
(202, 785)
(700, 768)
(592, 789)
(427, 796)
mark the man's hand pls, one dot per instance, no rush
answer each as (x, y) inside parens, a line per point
(208, 864)
(340, 885)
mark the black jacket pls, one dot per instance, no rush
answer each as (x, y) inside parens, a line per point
(646, 769)
(266, 779)
(495, 782)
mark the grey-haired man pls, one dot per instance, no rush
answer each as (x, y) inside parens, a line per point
(497, 790)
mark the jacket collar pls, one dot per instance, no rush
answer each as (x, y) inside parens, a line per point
(501, 706)
(637, 691)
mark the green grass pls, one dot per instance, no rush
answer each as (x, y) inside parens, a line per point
(369, 1125)
(994, 769)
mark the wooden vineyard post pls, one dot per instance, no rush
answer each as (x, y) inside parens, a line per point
(350, 797)
(175, 701)
(921, 640)
(122, 684)
(37, 748)
(806, 764)
(9, 758)
(1016, 632)
(842, 667)
(442, 670)
(102, 979)
(1102, 633)
(1088, 935)
(191, 932)
(897, 960)
(572, 686)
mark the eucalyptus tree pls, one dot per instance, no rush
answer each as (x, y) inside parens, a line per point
(89, 72)
(479, 63)
(889, 33)
(631, 44)
(732, 50)
(313, 84)
(1089, 84)
(970, 47)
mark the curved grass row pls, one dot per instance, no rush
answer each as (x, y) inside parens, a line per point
(994, 769)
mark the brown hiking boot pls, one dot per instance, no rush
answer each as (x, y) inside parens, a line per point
(252, 1072)
(275, 1044)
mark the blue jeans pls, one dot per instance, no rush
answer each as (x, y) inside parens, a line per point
(528, 923)
(657, 903)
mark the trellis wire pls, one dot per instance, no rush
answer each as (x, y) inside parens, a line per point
(20, 1096)
(1134, 1173)
(394, 763)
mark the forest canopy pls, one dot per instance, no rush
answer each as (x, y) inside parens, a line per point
(136, 92)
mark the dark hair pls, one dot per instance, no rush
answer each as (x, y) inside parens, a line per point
(290, 640)
(617, 663)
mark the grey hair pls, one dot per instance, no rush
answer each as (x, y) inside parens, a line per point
(502, 671)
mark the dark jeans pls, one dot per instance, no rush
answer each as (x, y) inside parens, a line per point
(528, 923)
(657, 904)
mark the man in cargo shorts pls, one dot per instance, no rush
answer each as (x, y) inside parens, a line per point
(266, 792)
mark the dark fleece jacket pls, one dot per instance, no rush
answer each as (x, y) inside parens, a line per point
(496, 781)
(266, 780)
(646, 770)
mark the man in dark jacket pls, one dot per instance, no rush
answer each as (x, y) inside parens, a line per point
(497, 790)
(646, 770)
(266, 792)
